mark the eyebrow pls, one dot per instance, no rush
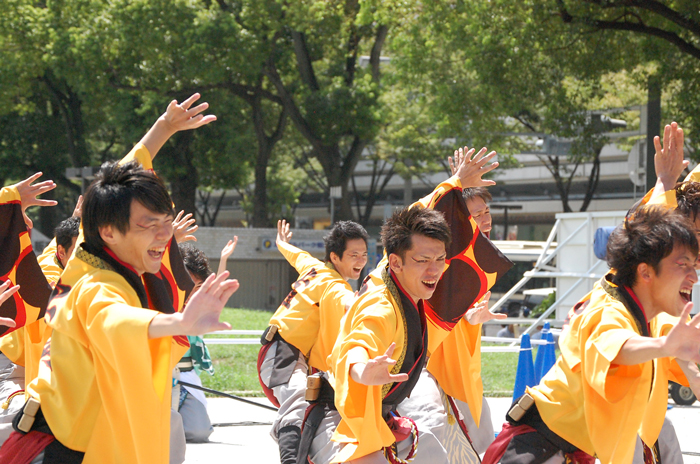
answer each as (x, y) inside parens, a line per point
(444, 255)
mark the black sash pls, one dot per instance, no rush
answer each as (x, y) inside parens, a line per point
(416, 345)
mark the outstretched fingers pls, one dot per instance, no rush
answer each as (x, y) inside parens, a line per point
(189, 101)
(6, 292)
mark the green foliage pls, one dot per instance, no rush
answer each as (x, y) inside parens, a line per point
(538, 310)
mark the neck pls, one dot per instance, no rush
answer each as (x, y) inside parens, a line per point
(402, 288)
(643, 294)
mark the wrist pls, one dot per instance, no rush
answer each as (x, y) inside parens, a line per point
(164, 127)
(668, 181)
(164, 325)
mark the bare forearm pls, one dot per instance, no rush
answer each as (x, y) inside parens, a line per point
(165, 325)
(222, 266)
(638, 350)
(157, 135)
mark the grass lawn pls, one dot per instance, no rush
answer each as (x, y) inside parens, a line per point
(236, 365)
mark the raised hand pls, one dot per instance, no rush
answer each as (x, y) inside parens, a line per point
(283, 233)
(457, 160)
(181, 227)
(78, 211)
(479, 313)
(183, 116)
(177, 117)
(6, 292)
(29, 192)
(202, 312)
(471, 170)
(376, 370)
(668, 160)
(683, 340)
(226, 252)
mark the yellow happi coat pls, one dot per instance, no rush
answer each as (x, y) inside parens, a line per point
(309, 317)
(598, 406)
(455, 356)
(25, 345)
(371, 325)
(108, 392)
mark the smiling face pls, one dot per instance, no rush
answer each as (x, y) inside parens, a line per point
(671, 286)
(421, 268)
(353, 261)
(143, 245)
(481, 213)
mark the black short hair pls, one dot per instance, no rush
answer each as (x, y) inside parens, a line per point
(337, 240)
(398, 230)
(66, 231)
(476, 192)
(648, 236)
(196, 262)
(688, 197)
(108, 199)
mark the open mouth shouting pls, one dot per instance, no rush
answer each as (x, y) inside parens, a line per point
(430, 284)
(156, 252)
(686, 294)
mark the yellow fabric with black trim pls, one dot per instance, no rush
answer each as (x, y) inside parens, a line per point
(370, 326)
(309, 317)
(108, 393)
(12, 345)
(598, 406)
(455, 356)
(15, 343)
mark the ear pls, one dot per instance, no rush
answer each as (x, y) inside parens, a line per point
(334, 258)
(108, 234)
(61, 252)
(395, 262)
(644, 272)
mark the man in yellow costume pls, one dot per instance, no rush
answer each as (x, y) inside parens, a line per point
(454, 314)
(610, 382)
(305, 326)
(18, 264)
(388, 318)
(103, 390)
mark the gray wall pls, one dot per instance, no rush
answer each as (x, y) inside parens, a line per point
(264, 274)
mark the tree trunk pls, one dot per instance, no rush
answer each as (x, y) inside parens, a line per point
(266, 143)
(184, 180)
(592, 180)
(260, 209)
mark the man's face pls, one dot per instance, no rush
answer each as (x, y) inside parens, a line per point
(353, 261)
(480, 213)
(671, 286)
(63, 254)
(144, 243)
(421, 268)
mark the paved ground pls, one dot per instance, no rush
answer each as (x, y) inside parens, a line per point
(242, 435)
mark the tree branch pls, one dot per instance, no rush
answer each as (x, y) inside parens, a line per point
(306, 68)
(672, 38)
(375, 54)
(292, 108)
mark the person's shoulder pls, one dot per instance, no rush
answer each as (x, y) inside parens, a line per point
(377, 300)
